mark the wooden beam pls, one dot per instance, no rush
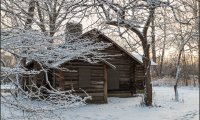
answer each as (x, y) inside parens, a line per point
(105, 84)
(61, 80)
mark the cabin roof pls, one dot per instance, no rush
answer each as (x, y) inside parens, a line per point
(95, 31)
(100, 61)
(135, 56)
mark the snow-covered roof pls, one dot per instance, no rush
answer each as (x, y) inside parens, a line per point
(136, 56)
(139, 57)
(133, 55)
(57, 64)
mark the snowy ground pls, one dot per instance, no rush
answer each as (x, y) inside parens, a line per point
(130, 109)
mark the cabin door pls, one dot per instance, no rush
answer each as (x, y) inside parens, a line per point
(84, 77)
(113, 79)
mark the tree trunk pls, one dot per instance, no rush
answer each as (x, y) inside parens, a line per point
(177, 77)
(148, 85)
(146, 59)
(176, 93)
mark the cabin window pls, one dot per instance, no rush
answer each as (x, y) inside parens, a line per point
(84, 77)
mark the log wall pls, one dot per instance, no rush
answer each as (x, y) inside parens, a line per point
(66, 80)
(131, 72)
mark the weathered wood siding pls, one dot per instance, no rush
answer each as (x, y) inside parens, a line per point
(66, 80)
(130, 71)
(139, 78)
(124, 66)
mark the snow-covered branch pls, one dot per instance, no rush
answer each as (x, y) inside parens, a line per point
(35, 46)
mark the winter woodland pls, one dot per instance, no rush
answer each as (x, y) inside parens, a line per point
(164, 31)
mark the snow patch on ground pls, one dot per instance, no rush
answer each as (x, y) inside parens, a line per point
(165, 108)
(129, 108)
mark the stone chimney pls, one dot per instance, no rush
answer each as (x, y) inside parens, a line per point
(73, 30)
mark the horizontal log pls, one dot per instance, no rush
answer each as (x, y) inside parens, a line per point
(125, 79)
(97, 98)
(139, 72)
(93, 78)
(84, 65)
(97, 86)
(70, 82)
(92, 94)
(96, 78)
(97, 82)
(69, 87)
(125, 84)
(75, 67)
(121, 62)
(124, 74)
(139, 75)
(70, 78)
(97, 75)
(97, 71)
(70, 74)
(90, 90)
(141, 79)
(122, 70)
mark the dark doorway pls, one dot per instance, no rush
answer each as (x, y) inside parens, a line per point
(84, 77)
(113, 79)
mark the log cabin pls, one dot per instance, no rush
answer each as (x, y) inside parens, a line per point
(121, 75)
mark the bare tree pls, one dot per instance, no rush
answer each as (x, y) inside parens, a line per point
(40, 23)
(136, 16)
(37, 45)
(124, 15)
(153, 44)
(164, 43)
(49, 16)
